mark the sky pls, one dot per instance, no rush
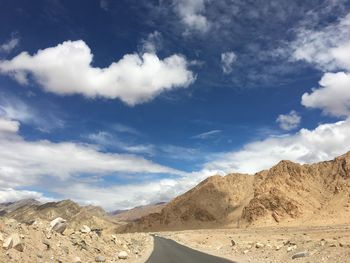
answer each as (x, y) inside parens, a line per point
(131, 102)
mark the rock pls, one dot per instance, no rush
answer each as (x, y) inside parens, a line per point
(85, 229)
(259, 245)
(47, 243)
(14, 241)
(300, 254)
(1, 237)
(7, 243)
(60, 227)
(100, 259)
(246, 251)
(291, 248)
(233, 243)
(122, 255)
(278, 247)
(77, 260)
(57, 220)
(276, 216)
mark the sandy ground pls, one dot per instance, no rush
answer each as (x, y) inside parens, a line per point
(271, 245)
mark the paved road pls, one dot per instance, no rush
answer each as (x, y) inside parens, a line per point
(169, 251)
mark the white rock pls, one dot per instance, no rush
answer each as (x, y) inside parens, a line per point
(77, 260)
(85, 229)
(60, 227)
(259, 245)
(123, 255)
(56, 221)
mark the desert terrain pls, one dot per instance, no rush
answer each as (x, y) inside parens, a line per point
(289, 213)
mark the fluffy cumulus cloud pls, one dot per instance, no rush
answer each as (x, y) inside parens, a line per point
(329, 50)
(66, 69)
(306, 146)
(227, 61)
(333, 95)
(192, 15)
(288, 121)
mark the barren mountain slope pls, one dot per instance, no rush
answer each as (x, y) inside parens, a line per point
(290, 193)
(137, 212)
(215, 201)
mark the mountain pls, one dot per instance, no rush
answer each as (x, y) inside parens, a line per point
(67, 209)
(287, 194)
(11, 206)
(137, 212)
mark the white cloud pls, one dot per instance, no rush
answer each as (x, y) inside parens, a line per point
(206, 135)
(12, 195)
(327, 49)
(66, 69)
(24, 163)
(191, 14)
(323, 143)
(7, 125)
(15, 108)
(333, 96)
(289, 121)
(131, 195)
(152, 43)
(9, 45)
(227, 60)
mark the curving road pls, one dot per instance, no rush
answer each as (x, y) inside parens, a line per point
(169, 251)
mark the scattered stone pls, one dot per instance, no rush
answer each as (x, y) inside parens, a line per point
(123, 255)
(1, 237)
(276, 216)
(233, 243)
(100, 259)
(291, 248)
(77, 260)
(259, 245)
(300, 255)
(47, 243)
(278, 247)
(7, 243)
(85, 229)
(245, 251)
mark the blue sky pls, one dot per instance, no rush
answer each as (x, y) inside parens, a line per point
(123, 103)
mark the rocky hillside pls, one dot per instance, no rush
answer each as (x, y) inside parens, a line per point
(11, 206)
(75, 214)
(40, 242)
(215, 201)
(137, 212)
(287, 194)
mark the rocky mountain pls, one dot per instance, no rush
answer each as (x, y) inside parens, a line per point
(287, 194)
(137, 212)
(72, 212)
(11, 206)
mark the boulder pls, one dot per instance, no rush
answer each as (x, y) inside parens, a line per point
(77, 260)
(259, 245)
(122, 255)
(300, 255)
(59, 225)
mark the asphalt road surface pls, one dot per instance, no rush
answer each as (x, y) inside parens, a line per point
(169, 251)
